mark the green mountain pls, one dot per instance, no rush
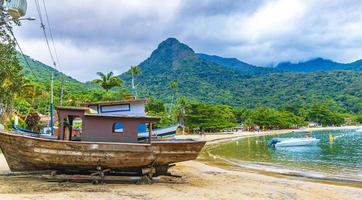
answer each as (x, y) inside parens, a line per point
(319, 64)
(216, 82)
(197, 79)
(235, 63)
(214, 79)
(42, 72)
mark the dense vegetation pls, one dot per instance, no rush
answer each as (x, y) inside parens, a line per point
(11, 80)
(204, 93)
(37, 95)
(203, 117)
(319, 64)
(236, 85)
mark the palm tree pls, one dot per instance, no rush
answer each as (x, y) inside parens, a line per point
(181, 112)
(173, 87)
(135, 70)
(108, 81)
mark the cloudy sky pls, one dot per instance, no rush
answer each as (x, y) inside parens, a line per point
(111, 35)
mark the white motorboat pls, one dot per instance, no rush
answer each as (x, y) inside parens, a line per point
(359, 130)
(290, 142)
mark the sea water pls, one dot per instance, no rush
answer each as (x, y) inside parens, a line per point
(338, 155)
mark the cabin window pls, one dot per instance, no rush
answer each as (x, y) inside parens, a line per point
(142, 128)
(118, 127)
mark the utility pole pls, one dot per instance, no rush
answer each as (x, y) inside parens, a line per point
(1, 7)
(133, 86)
(51, 105)
(61, 91)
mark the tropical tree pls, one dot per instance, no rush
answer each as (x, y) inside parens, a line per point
(173, 87)
(32, 120)
(11, 77)
(181, 112)
(108, 81)
(208, 117)
(321, 114)
(358, 118)
(135, 71)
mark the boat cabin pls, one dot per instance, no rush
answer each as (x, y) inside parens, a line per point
(130, 107)
(127, 107)
(100, 126)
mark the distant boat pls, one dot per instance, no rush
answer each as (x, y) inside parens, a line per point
(290, 142)
(159, 133)
(359, 130)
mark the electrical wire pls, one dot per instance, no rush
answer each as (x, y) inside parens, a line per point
(47, 42)
(22, 53)
(51, 34)
(44, 32)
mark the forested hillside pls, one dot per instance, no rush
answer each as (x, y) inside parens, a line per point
(319, 64)
(37, 88)
(203, 80)
(211, 89)
(235, 64)
(217, 80)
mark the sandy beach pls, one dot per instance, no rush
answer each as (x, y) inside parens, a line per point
(199, 181)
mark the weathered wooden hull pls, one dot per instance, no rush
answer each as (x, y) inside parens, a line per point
(25, 153)
(168, 152)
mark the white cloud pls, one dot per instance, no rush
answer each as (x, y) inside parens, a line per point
(275, 18)
(83, 64)
(109, 35)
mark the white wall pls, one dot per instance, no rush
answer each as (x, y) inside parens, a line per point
(136, 108)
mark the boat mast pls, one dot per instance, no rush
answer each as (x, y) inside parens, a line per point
(51, 105)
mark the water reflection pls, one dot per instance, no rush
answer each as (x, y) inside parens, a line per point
(341, 156)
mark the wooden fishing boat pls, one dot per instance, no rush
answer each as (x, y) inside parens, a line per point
(107, 141)
(25, 153)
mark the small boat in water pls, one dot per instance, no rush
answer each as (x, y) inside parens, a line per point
(290, 142)
(359, 130)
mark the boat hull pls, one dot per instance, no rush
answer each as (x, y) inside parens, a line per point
(24, 153)
(168, 152)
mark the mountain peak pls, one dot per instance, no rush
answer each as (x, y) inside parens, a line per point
(170, 41)
(171, 49)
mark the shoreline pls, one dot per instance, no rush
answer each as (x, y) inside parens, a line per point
(200, 180)
(267, 169)
(225, 137)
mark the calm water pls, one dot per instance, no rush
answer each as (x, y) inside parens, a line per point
(341, 158)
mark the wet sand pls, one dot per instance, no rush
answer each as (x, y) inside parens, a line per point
(199, 181)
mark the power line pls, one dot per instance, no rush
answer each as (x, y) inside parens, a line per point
(53, 43)
(44, 32)
(22, 53)
(55, 52)
(51, 34)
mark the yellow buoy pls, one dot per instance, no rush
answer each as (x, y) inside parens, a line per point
(331, 137)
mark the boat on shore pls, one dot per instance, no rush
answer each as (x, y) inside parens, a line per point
(26, 153)
(106, 141)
